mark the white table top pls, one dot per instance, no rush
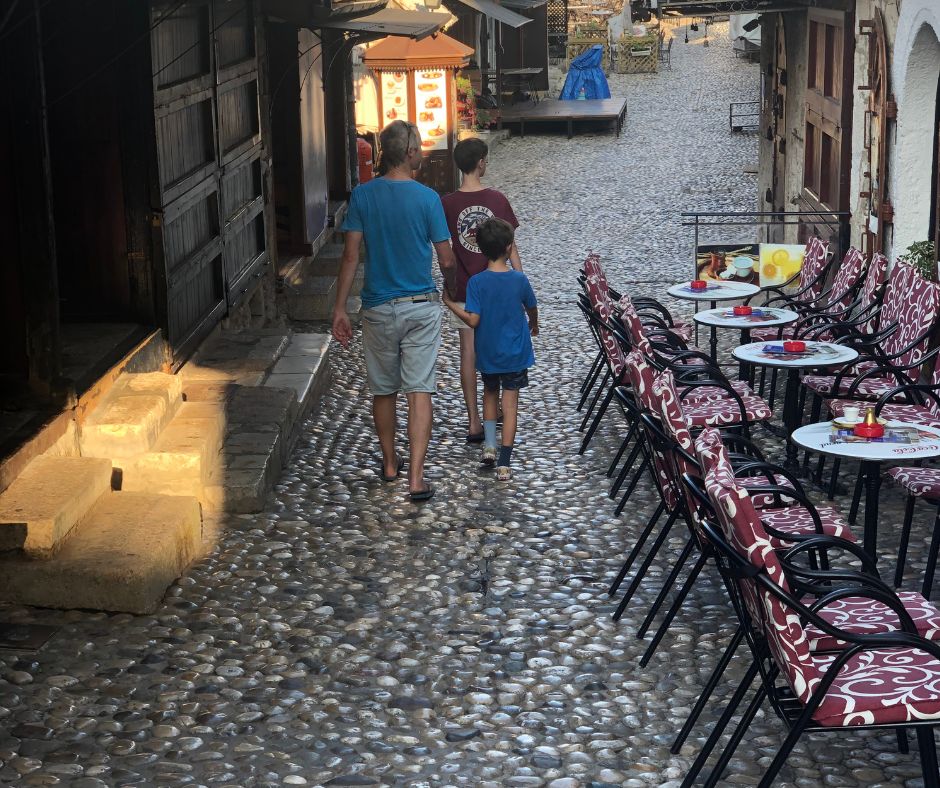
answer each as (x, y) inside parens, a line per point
(832, 355)
(722, 319)
(716, 291)
(818, 437)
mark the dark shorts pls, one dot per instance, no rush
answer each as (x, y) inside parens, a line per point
(508, 381)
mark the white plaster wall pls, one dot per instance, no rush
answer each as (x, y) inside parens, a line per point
(915, 71)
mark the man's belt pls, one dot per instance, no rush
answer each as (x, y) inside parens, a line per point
(416, 299)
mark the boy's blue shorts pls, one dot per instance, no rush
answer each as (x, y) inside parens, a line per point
(508, 381)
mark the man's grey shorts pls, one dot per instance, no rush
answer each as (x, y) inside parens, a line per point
(401, 341)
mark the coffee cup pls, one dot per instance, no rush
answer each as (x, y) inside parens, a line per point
(742, 266)
(851, 413)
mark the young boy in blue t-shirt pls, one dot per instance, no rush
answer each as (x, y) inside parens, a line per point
(498, 301)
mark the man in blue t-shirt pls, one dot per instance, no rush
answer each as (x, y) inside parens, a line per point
(498, 301)
(400, 220)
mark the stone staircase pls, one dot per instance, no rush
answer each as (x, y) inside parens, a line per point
(113, 527)
(71, 541)
(308, 285)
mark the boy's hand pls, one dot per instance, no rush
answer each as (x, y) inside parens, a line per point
(445, 297)
(534, 329)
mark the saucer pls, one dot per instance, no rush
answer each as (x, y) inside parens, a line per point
(850, 423)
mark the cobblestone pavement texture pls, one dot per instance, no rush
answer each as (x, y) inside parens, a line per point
(347, 637)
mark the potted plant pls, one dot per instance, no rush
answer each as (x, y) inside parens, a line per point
(922, 255)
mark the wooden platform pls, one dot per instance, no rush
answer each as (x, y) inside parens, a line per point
(612, 111)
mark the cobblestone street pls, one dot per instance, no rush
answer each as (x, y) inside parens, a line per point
(348, 637)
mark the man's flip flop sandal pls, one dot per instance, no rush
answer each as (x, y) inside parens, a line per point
(422, 495)
(385, 477)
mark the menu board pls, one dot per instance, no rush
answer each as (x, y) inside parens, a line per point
(394, 96)
(431, 108)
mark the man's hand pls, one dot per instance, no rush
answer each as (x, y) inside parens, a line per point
(342, 327)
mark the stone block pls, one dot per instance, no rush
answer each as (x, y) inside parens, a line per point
(263, 406)
(300, 383)
(241, 490)
(130, 548)
(131, 416)
(306, 345)
(183, 457)
(45, 503)
(292, 365)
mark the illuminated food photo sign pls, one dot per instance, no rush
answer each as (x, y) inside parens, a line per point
(394, 96)
(431, 111)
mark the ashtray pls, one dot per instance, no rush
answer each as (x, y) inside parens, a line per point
(794, 346)
(869, 430)
(742, 311)
(698, 284)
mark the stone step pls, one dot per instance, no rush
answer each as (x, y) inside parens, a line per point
(131, 416)
(310, 285)
(125, 555)
(48, 499)
(231, 358)
(184, 455)
(242, 482)
(304, 367)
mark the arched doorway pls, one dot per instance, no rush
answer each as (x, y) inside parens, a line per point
(916, 146)
(879, 114)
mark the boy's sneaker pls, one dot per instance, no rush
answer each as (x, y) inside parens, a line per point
(489, 456)
(503, 473)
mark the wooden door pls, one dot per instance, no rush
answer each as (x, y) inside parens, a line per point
(828, 125)
(210, 161)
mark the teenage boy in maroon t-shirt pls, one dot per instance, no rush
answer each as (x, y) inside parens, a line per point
(465, 210)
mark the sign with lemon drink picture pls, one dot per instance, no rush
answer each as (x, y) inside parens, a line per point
(779, 263)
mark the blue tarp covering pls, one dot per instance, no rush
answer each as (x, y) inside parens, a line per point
(586, 73)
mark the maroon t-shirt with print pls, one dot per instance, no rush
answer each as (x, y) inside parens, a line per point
(465, 211)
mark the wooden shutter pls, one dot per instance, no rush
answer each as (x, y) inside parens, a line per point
(210, 160)
(827, 126)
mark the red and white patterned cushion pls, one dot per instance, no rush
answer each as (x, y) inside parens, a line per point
(922, 482)
(863, 616)
(635, 330)
(914, 303)
(603, 308)
(814, 261)
(683, 329)
(798, 520)
(724, 412)
(845, 279)
(880, 687)
(871, 388)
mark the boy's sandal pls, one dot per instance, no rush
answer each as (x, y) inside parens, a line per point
(475, 437)
(503, 473)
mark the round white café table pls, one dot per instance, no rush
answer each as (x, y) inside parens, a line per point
(870, 454)
(722, 318)
(713, 293)
(817, 355)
